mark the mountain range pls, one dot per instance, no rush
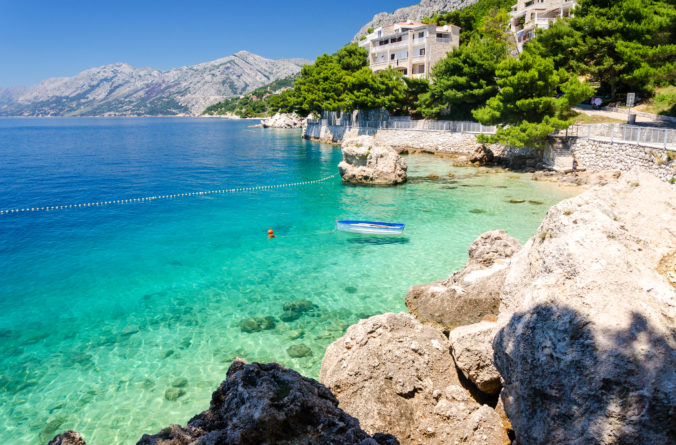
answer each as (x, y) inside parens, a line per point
(425, 8)
(124, 90)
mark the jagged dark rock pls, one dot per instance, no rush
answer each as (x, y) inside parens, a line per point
(268, 404)
(68, 438)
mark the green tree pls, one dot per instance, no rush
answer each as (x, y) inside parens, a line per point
(352, 57)
(386, 89)
(464, 80)
(625, 45)
(526, 106)
(321, 86)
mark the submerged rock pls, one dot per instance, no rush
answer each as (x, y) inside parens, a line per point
(471, 293)
(587, 351)
(257, 324)
(364, 162)
(68, 438)
(172, 394)
(397, 376)
(267, 404)
(298, 351)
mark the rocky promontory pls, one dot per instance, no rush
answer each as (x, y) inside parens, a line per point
(366, 162)
(283, 120)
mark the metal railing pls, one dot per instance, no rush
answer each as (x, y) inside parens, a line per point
(418, 125)
(620, 133)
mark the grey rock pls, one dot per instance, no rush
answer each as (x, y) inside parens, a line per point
(365, 162)
(284, 120)
(124, 90)
(587, 351)
(68, 438)
(266, 404)
(482, 155)
(470, 294)
(472, 349)
(397, 376)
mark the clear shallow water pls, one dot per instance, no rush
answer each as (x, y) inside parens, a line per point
(104, 309)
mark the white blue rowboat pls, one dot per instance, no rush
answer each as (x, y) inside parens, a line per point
(370, 227)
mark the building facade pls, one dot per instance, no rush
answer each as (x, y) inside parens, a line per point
(409, 47)
(529, 15)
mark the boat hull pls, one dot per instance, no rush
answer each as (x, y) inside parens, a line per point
(370, 227)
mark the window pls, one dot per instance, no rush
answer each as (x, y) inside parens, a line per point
(421, 34)
(391, 56)
(443, 36)
(422, 51)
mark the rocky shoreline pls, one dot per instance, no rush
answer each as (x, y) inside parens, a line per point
(568, 338)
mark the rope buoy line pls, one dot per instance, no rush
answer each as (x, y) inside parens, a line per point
(153, 198)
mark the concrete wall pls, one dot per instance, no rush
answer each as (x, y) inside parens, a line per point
(598, 155)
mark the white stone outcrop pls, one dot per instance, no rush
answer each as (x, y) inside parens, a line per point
(397, 376)
(470, 294)
(284, 120)
(472, 349)
(587, 351)
(365, 162)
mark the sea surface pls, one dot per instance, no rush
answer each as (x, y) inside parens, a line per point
(119, 320)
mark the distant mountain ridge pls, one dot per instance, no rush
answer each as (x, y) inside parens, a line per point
(124, 90)
(416, 12)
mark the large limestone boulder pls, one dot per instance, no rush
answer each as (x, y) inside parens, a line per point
(470, 294)
(472, 349)
(398, 377)
(587, 352)
(365, 162)
(284, 120)
(266, 404)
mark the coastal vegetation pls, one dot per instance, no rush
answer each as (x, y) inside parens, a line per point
(256, 103)
(606, 48)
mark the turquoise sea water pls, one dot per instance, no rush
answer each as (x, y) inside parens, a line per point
(117, 321)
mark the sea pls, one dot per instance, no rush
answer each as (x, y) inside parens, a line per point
(120, 319)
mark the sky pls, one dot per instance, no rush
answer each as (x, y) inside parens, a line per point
(56, 38)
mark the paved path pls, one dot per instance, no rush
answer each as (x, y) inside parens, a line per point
(644, 119)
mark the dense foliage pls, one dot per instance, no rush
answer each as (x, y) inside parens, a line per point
(257, 103)
(624, 45)
(618, 46)
(534, 99)
(470, 19)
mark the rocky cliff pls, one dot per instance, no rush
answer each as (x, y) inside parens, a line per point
(425, 8)
(124, 90)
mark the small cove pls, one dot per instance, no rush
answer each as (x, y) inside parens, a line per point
(120, 320)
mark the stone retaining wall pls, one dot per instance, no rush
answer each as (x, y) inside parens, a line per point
(425, 141)
(599, 155)
(401, 140)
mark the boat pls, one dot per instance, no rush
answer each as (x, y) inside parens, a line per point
(370, 227)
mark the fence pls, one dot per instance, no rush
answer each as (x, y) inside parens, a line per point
(403, 124)
(629, 134)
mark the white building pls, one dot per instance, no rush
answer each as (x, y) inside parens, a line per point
(412, 48)
(529, 15)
